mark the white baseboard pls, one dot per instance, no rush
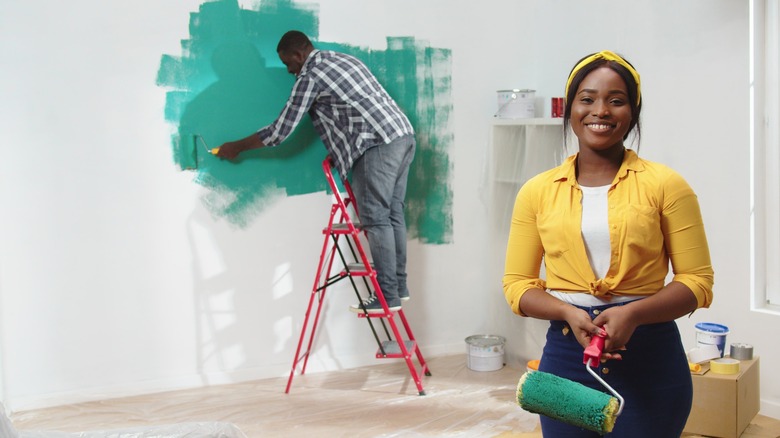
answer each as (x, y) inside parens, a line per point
(770, 408)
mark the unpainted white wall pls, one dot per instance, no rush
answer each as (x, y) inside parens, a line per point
(115, 279)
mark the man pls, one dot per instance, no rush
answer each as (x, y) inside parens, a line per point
(364, 131)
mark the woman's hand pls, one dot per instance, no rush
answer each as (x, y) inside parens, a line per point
(581, 326)
(620, 326)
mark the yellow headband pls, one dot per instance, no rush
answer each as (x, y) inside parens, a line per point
(609, 56)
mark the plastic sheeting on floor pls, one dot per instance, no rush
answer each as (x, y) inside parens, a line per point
(180, 430)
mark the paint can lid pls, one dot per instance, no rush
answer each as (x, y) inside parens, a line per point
(712, 327)
(485, 340)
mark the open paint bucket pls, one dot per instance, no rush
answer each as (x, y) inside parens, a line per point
(485, 352)
(516, 104)
(708, 333)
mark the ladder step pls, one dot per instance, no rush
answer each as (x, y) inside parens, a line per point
(342, 228)
(382, 314)
(358, 269)
(393, 349)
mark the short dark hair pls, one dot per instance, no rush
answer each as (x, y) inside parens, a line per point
(631, 87)
(293, 40)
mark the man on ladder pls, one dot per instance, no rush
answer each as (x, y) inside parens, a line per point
(364, 131)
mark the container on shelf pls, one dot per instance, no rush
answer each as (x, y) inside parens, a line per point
(516, 104)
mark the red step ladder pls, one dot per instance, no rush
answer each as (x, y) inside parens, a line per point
(354, 265)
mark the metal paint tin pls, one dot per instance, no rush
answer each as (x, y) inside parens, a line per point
(516, 104)
(485, 352)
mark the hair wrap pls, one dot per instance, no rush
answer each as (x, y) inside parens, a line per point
(609, 56)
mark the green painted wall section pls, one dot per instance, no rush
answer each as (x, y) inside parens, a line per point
(228, 82)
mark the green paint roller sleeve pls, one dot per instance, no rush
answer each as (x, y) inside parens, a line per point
(186, 152)
(567, 401)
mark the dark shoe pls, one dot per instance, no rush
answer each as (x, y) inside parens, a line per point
(373, 306)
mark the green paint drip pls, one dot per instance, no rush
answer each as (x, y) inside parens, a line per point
(229, 82)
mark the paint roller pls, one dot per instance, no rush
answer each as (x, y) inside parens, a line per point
(572, 402)
(187, 150)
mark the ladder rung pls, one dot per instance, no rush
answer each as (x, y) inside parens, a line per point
(357, 269)
(342, 228)
(362, 314)
(393, 350)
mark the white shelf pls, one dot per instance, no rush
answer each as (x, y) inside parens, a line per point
(518, 150)
(498, 121)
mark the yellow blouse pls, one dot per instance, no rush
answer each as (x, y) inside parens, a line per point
(653, 217)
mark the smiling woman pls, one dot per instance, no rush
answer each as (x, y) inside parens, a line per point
(601, 117)
(606, 59)
(606, 223)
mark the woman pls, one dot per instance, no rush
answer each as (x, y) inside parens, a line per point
(607, 223)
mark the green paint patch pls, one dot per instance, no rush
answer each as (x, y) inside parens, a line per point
(228, 82)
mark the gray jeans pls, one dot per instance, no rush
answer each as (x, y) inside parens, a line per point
(379, 183)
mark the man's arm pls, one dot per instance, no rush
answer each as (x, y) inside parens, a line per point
(231, 149)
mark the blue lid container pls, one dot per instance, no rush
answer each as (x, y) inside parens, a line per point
(712, 327)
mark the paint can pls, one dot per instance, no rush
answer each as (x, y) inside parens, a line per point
(709, 333)
(516, 104)
(485, 352)
(557, 107)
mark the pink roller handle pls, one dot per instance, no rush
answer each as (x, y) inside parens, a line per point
(592, 354)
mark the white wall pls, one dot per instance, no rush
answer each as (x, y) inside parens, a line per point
(115, 279)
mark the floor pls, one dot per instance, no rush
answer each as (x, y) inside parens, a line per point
(375, 401)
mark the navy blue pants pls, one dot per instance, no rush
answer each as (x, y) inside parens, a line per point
(653, 378)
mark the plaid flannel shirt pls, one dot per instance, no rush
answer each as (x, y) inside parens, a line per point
(350, 110)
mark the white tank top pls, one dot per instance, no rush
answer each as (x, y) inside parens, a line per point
(595, 234)
(595, 228)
